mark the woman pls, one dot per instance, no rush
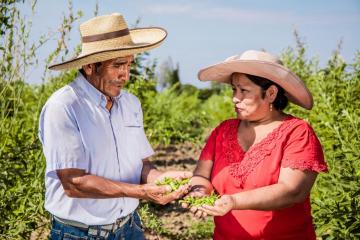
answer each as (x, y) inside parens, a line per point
(264, 163)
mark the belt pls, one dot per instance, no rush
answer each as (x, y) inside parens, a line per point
(93, 229)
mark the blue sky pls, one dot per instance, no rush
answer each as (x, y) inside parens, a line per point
(205, 32)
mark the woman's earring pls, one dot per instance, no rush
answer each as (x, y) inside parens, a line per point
(271, 106)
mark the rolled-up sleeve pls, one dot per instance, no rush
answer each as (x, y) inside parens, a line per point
(61, 139)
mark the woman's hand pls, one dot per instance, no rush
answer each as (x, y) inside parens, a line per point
(197, 192)
(221, 207)
(201, 185)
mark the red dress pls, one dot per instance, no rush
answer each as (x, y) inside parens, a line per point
(292, 144)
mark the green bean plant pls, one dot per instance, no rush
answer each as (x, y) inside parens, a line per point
(199, 201)
(174, 183)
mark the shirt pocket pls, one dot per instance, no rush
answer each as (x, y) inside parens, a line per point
(133, 132)
(133, 119)
(133, 127)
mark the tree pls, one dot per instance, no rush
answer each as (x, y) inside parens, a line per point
(169, 75)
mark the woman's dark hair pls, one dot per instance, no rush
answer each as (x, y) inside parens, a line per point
(281, 101)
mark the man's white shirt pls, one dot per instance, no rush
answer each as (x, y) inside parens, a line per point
(77, 131)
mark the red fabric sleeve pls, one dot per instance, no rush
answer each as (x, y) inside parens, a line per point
(208, 152)
(303, 150)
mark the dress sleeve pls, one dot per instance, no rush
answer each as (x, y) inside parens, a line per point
(208, 152)
(303, 150)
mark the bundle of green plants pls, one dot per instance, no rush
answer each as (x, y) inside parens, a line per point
(174, 183)
(199, 201)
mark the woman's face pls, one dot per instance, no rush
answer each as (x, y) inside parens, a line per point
(249, 99)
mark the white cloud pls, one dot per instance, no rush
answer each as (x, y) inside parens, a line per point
(276, 17)
(329, 19)
(244, 15)
(168, 9)
(254, 16)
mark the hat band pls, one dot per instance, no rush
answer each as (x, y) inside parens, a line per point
(105, 36)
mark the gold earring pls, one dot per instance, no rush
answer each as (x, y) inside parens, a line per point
(271, 107)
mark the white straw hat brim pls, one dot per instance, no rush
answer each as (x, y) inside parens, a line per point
(295, 89)
(143, 39)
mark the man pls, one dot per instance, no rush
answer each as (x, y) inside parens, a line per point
(93, 139)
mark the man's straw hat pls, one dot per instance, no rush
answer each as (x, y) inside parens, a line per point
(262, 64)
(107, 37)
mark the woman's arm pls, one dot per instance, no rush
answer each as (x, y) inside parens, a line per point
(294, 186)
(201, 178)
(200, 185)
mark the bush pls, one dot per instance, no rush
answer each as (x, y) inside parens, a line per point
(218, 107)
(21, 160)
(171, 118)
(336, 120)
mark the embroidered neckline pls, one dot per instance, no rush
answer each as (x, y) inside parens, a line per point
(241, 162)
(288, 117)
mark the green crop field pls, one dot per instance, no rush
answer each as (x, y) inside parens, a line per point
(177, 114)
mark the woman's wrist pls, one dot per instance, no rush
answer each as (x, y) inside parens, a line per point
(234, 200)
(206, 189)
(198, 188)
(200, 180)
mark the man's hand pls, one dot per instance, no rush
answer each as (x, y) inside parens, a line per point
(180, 192)
(162, 194)
(222, 206)
(174, 174)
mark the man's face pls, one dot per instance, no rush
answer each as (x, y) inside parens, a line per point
(110, 76)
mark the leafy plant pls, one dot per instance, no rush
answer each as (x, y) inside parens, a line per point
(199, 230)
(151, 222)
(174, 183)
(336, 120)
(199, 201)
(171, 117)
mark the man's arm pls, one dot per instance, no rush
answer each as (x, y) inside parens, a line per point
(78, 184)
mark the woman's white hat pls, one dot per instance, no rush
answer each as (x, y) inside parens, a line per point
(262, 64)
(107, 37)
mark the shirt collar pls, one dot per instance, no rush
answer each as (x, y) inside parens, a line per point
(95, 95)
